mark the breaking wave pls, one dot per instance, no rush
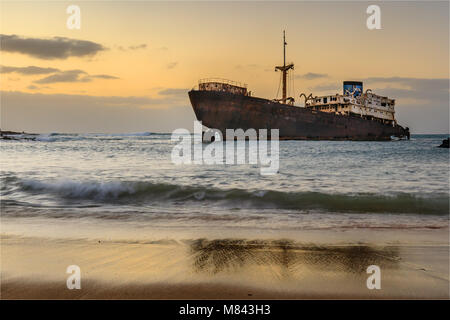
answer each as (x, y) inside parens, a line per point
(132, 192)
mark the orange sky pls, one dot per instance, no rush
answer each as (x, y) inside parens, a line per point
(175, 44)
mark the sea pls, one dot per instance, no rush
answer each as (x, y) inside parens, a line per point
(126, 186)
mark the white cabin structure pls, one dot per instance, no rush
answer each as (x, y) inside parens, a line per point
(367, 105)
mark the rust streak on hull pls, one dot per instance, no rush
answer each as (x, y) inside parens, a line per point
(224, 110)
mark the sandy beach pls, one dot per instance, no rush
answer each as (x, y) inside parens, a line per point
(35, 268)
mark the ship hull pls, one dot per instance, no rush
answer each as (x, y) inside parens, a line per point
(224, 110)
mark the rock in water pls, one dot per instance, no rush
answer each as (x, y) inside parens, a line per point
(445, 143)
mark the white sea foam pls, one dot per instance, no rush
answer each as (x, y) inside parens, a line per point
(76, 189)
(45, 138)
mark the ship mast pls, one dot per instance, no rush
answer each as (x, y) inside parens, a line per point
(284, 68)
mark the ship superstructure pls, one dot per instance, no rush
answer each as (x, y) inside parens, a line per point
(366, 105)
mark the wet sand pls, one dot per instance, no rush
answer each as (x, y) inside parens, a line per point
(35, 268)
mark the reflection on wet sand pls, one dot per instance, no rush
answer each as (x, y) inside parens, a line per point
(223, 255)
(218, 269)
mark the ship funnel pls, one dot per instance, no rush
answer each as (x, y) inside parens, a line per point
(352, 88)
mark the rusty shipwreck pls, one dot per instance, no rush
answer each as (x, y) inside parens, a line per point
(353, 115)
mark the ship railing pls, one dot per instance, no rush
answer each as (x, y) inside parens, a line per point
(224, 81)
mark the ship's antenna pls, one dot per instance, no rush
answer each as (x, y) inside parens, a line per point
(284, 68)
(284, 48)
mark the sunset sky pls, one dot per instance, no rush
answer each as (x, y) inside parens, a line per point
(129, 67)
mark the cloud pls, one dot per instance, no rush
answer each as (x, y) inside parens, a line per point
(134, 47)
(53, 48)
(140, 46)
(30, 70)
(37, 112)
(73, 76)
(420, 89)
(103, 76)
(32, 87)
(57, 75)
(65, 76)
(334, 87)
(174, 92)
(172, 65)
(311, 76)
